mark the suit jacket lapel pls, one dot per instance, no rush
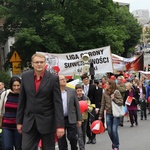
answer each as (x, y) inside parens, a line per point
(44, 81)
(68, 95)
(31, 81)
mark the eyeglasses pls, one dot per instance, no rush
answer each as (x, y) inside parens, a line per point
(39, 62)
(63, 79)
(86, 79)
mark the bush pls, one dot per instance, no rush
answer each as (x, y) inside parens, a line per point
(4, 77)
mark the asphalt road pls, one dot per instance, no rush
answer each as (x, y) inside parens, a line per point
(135, 138)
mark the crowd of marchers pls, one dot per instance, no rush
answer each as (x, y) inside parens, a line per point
(40, 107)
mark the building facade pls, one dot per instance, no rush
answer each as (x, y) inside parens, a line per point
(123, 4)
(142, 15)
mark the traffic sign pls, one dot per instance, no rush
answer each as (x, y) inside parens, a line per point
(16, 68)
(15, 57)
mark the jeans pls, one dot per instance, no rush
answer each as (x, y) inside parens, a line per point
(80, 138)
(112, 128)
(143, 113)
(11, 139)
(84, 127)
(82, 135)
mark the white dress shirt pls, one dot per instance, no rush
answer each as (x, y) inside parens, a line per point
(86, 89)
(65, 103)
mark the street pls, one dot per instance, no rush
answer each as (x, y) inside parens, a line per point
(135, 138)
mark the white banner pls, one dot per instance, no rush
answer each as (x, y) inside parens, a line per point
(145, 72)
(72, 63)
(134, 63)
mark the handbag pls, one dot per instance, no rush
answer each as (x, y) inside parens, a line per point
(118, 111)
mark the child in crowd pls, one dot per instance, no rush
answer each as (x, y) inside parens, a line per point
(143, 104)
(82, 130)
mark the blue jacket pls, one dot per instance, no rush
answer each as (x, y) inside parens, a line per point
(147, 92)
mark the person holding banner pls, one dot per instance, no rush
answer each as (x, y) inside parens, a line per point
(131, 99)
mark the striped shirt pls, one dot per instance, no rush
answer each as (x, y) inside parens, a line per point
(9, 120)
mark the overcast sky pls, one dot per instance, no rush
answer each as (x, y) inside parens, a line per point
(137, 4)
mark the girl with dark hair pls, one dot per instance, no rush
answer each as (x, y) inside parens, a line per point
(8, 107)
(111, 94)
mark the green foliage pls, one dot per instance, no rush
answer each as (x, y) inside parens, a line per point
(67, 26)
(132, 29)
(27, 43)
(146, 35)
(4, 77)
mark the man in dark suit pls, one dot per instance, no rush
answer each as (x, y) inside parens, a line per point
(94, 94)
(40, 109)
(72, 115)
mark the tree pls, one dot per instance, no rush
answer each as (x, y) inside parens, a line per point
(146, 36)
(132, 28)
(4, 77)
(66, 26)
